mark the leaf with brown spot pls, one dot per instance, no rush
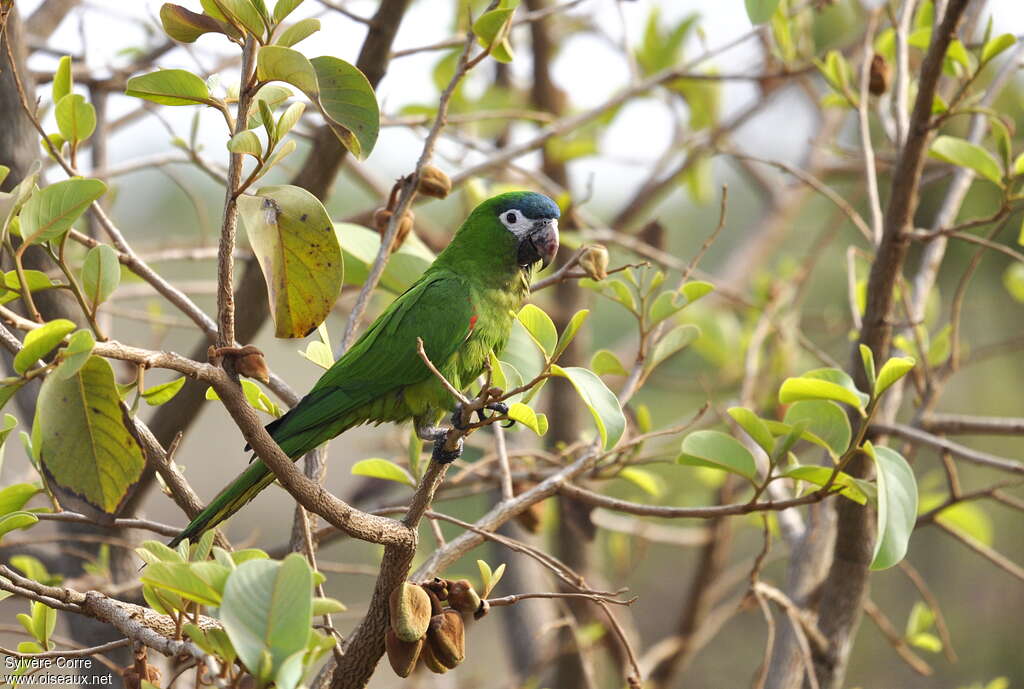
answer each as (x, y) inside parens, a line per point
(301, 260)
(86, 447)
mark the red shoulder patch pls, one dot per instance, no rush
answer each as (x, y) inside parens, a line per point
(472, 321)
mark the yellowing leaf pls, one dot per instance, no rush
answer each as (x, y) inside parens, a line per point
(294, 241)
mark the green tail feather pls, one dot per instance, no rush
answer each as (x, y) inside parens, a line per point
(228, 501)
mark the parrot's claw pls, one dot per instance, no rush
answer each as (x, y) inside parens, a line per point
(457, 418)
(440, 454)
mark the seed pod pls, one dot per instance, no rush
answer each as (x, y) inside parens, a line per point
(878, 79)
(409, 606)
(462, 596)
(404, 228)
(380, 220)
(402, 654)
(446, 637)
(594, 262)
(251, 364)
(434, 183)
(431, 662)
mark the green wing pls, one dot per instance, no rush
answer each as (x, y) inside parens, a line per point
(382, 362)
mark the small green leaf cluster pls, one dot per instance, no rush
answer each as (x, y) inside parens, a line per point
(263, 608)
(815, 414)
(653, 306)
(337, 89)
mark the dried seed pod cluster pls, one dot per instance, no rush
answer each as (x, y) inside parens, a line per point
(424, 630)
(432, 182)
(594, 262)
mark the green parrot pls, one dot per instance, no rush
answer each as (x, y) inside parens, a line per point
(462, 307)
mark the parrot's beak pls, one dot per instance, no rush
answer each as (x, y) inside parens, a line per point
(539, 244)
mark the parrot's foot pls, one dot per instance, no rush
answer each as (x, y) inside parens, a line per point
(442, 455)
(496, 407)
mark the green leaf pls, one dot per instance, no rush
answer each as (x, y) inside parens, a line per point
(51, 211)
(847, 486)
(893, 369)
(540, 326)
(696, 289)
(823, 384)
(327, 606)
(1013, 279)
(37, 281)
(717, 450)
(74, 355)
(7, 391)
(289, 118)
(601, 402)
(163, 393)
(319, 353)
(300, 30)
(246, 142)
(965, 154)
(179, 578)
(267, 609)
(76, 118)
(526, 416)
(926, 641)
(86, 448)
(155, 551)
(268, 97)
(754, 426)
(185, 26)
(488, 578)
(672, 342)
(347, 99)
(920, 620)
(16, 520)
(760, 11)
(359, 246)
(966, 517)
(650, 483)
(244, 12)
(996, 45)
(101, 274)
(868, 359)
(62, 79)
(604, 362)
(284, 7)
(297, 249)
(35, 570)
(897, 506)
(278, 63)
(492, 29)
(282, 151)
(567, 336)
(664, 305)
(14, 497)
(40, 342)
(826, 420)
(170, 87)
(383, 469)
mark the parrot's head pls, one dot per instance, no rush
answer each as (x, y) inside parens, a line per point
(521, 225)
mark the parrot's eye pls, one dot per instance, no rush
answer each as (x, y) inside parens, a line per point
(511, 218)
